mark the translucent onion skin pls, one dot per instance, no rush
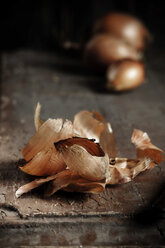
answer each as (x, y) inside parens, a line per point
(125, 75)
(125, 27)
(105, 49)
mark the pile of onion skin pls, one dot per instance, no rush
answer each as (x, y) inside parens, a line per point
(117, 47)
(82, 156)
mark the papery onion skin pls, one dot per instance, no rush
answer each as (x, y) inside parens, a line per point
(105, 49)
(50, 131)
(45, 163)
(71, 182)
(125, 75)
(93, 125)
(123, 170)
(125, 27)
(37, 121)
(144, 147)
(93, 148)
(80, 164)
(79, 159)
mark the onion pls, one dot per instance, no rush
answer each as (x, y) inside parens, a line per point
(105, 49)
(125, 27)
(125, 75)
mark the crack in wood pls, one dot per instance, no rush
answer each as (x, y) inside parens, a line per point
(11, 209)
(139, 194)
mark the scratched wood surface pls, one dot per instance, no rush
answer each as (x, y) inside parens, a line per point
(122, 214)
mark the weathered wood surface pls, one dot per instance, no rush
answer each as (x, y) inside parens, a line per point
(121, 215)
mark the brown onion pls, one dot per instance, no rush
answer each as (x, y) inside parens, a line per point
(125, 75)
(125, 27)
(105, 49)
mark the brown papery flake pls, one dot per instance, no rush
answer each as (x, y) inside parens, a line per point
(93, 125)
(145, 148)
(91, 147)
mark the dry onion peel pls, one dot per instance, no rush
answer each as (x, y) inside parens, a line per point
(45, 162)
(78, 163)
(71, 182)
(94, 126)
(77, 158)
(51, 131)
(145, 148)
(32, 185)
(65, 180)
(123, 170)
(37, 121)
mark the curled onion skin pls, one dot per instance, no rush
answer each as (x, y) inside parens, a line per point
(105, 49)
(125, 27)
(125, 75)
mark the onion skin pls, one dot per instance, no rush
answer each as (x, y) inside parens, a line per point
(105, 49)
(125, 27)
(125, 75)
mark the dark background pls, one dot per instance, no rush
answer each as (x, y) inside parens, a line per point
(48, 24)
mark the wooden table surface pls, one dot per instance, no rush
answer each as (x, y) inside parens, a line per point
(125, 214)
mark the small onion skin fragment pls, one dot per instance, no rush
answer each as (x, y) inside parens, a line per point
(144, 147)
(125, 27)
(105, 49)
(125, 75)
